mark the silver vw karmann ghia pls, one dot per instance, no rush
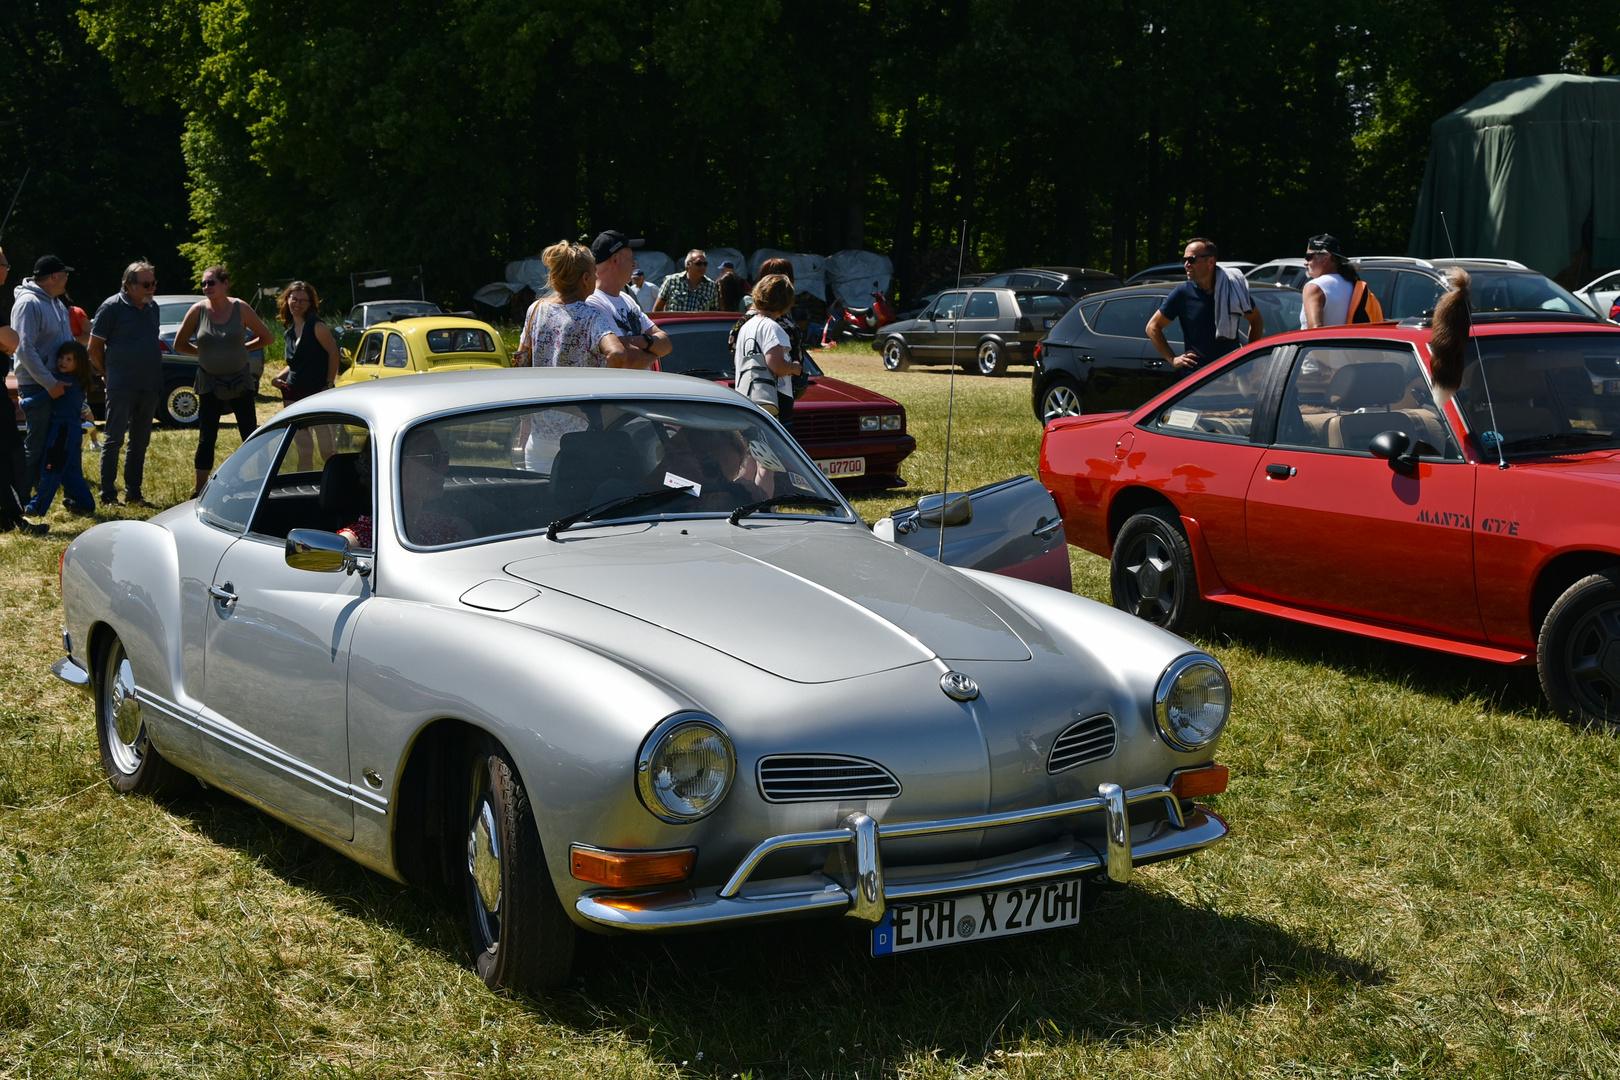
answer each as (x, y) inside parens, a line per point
(601, 650)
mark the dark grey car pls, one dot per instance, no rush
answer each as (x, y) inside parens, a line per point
(1409, 288)
(1098, 357)
(983, 329)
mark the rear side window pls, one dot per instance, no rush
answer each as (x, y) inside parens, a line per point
(1413, 294)
(982, 305)
(394, 354)
(1126, 317)
(1220, 408)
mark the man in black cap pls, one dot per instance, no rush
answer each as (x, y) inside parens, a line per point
(1326, 300)
(42, 323)
(615, 261)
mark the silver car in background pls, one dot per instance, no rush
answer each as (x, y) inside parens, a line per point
(602, 651)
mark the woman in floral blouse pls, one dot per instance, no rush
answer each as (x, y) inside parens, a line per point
(563, 330)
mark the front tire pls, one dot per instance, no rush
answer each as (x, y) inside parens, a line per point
(522, 940)
(992, 359)
(1060, 398)
(1151, 573)
(182, 405)
(132, 764)
(896, 354)
(1578, 651)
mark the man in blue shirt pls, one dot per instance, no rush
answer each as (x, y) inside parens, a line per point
(1208, 305)
(124, 350)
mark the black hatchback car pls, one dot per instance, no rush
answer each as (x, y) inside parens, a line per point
(1098, 357)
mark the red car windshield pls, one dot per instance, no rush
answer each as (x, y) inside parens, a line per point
(1548, 393)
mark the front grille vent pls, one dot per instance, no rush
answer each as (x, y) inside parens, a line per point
(825, 425)
(1092, 739)
(818, 777)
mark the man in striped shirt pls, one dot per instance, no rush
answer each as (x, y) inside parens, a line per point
(691, 291)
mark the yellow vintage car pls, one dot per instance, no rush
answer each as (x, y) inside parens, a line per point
(423, 343)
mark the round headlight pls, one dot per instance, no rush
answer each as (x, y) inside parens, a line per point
(685, 768)
(1192, 702)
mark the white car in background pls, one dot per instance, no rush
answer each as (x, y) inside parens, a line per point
(1601, 293)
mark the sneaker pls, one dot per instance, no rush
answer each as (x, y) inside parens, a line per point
(34, 528)
(138, 501)
(110, 500)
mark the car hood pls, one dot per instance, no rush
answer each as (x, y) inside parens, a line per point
(825, 388)
(801, 601)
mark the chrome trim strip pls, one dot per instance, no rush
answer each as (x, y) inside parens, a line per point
(702, 908)
(70, 672)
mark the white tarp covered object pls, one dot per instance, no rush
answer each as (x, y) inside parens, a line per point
(498, 294)
(656, 265)
(531, 272)
(854, 274)
(732, 255)
(809, 271)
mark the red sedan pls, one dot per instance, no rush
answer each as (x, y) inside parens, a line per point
(1313, 476)
(856, 436)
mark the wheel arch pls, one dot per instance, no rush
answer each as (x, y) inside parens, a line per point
(1560, 572)
(425, 800)
(1130, 501)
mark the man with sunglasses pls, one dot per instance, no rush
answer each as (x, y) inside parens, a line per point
(124, 350)
(1208, 304)
(691, 291)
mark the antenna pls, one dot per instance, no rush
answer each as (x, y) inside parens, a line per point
(1493, 437)
(7, 219)
(950, 398)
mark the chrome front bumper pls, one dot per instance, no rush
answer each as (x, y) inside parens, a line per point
(874, 889)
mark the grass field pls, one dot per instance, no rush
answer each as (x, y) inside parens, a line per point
(1422, 880)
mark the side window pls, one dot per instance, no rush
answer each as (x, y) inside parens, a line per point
(228, 500)
(1222, 407)
(1414, 294)
(1265, 274)
(371, 350)
(394, 354)
(322, 481)
(947, 306)
(1339, 397)
(1378, 282)
(981, 305)
(1127, 316)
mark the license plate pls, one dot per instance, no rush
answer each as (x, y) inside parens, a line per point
(929, 924)
(849, 466)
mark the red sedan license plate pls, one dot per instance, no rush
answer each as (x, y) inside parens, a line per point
(849, 466)
(929, 924)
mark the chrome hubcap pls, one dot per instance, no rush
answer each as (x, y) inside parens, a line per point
(484, 857)
(183, 405)
(1061, 401)
(1152, 571)
(891, 354)
(989, 357)
(1593, 661)
(126, 730)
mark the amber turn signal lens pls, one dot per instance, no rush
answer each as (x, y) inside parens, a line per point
(631, 869)
(1200, 782)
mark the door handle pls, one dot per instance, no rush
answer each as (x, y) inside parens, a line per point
(1154, 362)
(1047, 528)
(222, 593)
(1279, 471)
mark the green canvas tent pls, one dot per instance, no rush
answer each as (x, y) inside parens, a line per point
(1529, 169)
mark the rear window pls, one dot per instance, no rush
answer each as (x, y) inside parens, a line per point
(699, 349)
(460, 340)
(1043, 303)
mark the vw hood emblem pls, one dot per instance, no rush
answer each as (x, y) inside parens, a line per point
(958, 687)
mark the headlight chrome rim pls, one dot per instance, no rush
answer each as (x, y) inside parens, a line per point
(1177, 735)
(651, 749)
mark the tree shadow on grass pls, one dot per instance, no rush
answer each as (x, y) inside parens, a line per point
(805, 998)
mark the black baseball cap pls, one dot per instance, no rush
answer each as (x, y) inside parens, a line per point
(610, 243)
(1323, 242)
(50, 264)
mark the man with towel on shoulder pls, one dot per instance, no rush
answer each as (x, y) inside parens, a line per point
(1209, 304)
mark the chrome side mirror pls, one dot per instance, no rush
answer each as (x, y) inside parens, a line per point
(946, 510)
(322, 553)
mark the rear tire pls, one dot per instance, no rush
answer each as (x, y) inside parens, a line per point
(522, 940)
(992, 359)
(896, 354)
(182, 405)
(1151, 573)
(1578, 651)
(1060, 398)
(132, 764)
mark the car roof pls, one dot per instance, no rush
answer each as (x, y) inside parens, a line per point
(418, 324)
(389, 303)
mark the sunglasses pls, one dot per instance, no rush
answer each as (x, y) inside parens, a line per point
(147, 284)
(436, 459)
(210, 283)
(698, 262)
(1192, 258)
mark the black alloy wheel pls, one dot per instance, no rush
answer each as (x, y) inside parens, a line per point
(896, 354)
(1151, 573)
(131, 763)
(1578, 651)
(992, 358)
(522, 940)
(1060, 398)
(182, 405)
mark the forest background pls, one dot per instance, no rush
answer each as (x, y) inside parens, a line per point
(312, 138)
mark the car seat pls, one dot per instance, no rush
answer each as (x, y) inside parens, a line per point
(1522, 400)
(1359, 387)
(343, 496)
(585, 461)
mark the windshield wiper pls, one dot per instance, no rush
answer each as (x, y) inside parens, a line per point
(782, 500)
(623, 502)
(705, 373)
(1547, 442)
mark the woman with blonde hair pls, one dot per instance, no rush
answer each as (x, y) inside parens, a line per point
(563, 330)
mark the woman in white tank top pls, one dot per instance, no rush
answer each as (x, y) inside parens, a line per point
(1327, 293)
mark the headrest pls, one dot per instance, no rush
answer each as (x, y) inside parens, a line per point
(341, 486)
(1356, 386)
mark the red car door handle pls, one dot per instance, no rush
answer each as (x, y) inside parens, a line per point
(1280, 472)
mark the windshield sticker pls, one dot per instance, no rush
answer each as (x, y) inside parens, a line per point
(1441, 517)
(675, 480)
(766, 456)
(1181, 418)
(1497, 525)
(800, 482)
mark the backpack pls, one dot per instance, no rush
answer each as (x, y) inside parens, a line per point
(1364, 306)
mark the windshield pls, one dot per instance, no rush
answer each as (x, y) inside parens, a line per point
(1552, 393)
(506, 472)
(1507, 290)
(387, 310)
